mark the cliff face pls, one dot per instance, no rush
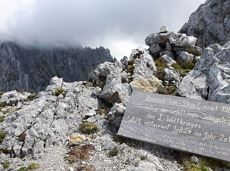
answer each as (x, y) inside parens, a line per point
(30, 68)
(210, 23)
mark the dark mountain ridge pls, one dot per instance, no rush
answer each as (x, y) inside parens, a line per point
(30, 68)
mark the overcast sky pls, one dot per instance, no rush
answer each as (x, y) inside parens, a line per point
(119, 25)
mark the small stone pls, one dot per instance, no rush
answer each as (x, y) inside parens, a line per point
(76, 139)
(184, 58)
(71, 169)
(171, 75)
(194, 159)
(167, 60)
(164, 29)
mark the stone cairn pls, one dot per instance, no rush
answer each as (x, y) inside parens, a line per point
(175, 54)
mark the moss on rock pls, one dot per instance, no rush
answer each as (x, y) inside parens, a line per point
(160, 65)
(2, 136)
(183, 71)
(88, 128)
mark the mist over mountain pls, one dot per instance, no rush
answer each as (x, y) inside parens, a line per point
(119, 25)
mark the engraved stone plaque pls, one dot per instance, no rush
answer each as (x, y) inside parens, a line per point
(196, 126)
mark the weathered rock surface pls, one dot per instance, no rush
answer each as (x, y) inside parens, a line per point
(47, 129)
(143, 74)
(210, 23)
(30, 68)
(210, 78)
(174, 56)
(72, 126)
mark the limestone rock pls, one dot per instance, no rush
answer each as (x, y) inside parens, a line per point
(184, 58)
(172, 75)
(181, 40)
(148, 85)
(152, 39)
(116, 114)
(210, 77)
(99, 75)
(48, 120)
(143, 74)
(194, 86)
(13, 97)
(167, 60)
(114, 91)
(155, 49)
(210, 23)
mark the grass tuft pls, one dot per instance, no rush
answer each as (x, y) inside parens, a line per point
(113, 152)
(88, 128)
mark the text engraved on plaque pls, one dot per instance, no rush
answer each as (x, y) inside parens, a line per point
(195, 126)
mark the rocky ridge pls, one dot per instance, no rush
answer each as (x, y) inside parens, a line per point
(30, 68)
(210, 23)
(209, 80)
(72, 126)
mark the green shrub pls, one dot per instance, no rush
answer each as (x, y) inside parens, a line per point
(194, 51)
(3, 104)
(113, 152)
(88, 128)
(131, 67)
(22, 169)
(33, 166)
(169, 90)
(189, 166)
(6, 164)
(59, 91)
(2, 136)
(31, 97)
(2, 118)
(102, 111)
(204, 164)
(183, 71)
(160, 69)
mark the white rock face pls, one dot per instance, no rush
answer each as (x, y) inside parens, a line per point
(143, 74)
(211, 77)
(13, 97)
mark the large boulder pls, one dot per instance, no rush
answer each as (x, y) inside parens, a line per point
(47, 121)
(211, 76)
(210, 23)
(143, 74)
(158, 42)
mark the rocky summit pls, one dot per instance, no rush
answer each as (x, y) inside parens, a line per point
(72, 126)
(210, 23)
(29, 68)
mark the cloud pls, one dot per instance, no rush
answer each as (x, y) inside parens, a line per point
(117, 24)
